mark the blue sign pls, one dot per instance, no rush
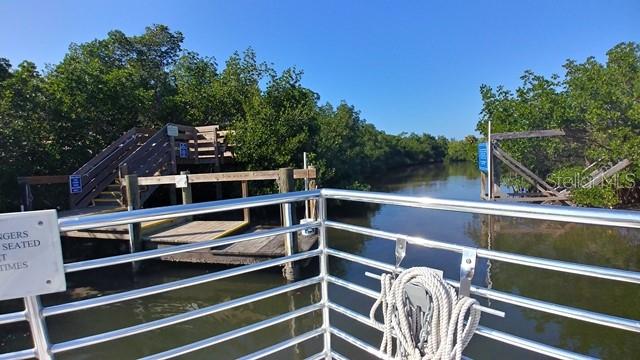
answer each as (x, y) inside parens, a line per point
(184, 150)
(482, 157)
(75, 184)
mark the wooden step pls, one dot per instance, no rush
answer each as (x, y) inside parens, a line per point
(110, 195)
(106, 201)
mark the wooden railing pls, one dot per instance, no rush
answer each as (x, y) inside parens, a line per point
(101, 170)
(138, 151)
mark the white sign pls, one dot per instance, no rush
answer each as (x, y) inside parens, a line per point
(172, 130)
(75, 184)
(30, 254)
(182, 181)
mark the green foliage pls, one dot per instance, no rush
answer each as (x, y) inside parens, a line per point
(463, 150)
(55, 121)
(595, 103)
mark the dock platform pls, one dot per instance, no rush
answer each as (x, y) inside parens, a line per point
(243, 253)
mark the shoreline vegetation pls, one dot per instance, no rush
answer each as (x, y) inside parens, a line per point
(596, 104)
(56, 119)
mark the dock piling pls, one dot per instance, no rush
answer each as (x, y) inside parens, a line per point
(133, 203)
(286, 184)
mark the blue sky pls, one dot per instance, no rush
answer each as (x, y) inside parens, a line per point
(407, 65)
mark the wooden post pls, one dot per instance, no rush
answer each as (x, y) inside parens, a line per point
(133, 203)
(216, 161)
(174, 165)
(26, 198)
(245, 193)
(286, 184)
(187, 195)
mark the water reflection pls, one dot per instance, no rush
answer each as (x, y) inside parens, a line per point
(587, 244)
(596, 245)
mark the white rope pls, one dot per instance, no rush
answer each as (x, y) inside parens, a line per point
(445, 329)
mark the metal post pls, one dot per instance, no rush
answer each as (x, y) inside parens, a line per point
(324, 273)
(489, 163)
(38, 326)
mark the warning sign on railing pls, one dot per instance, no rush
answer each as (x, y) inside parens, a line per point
(30, 254)
(75, 184)
(184, 150)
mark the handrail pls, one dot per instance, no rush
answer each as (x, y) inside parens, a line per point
(44, 349)
(622, 218)
(100, 171)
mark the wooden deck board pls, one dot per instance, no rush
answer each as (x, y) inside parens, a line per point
(194, 231)
(246, 252)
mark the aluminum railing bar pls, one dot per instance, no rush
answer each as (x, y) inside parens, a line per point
(175, 319)
(555, 265)
(336, 355)
(482, 330)
(13, 317)
(358, 343)
(319, 356)
(19, 355)
(153, 254)
(156, 289)
(562, 310)
(174, 211)
(623, 218)
(530, 345)
(282, 345)
(198, 345)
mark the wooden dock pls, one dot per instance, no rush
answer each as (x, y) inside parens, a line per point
(243, 253)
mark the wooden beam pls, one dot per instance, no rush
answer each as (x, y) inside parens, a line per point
(527, 134)
(598, 179)
(522, 170)
(534, 198)
(227, 176)
(43, 180)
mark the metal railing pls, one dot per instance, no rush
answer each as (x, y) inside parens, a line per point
(36, 314)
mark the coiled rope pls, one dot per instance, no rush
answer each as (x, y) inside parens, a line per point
(442, 334)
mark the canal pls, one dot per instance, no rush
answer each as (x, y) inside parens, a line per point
(596, 245)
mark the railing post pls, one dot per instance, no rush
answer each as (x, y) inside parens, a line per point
(38, 327)
(187, 195)
(324, 273)
(133, 203)
(245, 193)
(286, 184)
(26, 198)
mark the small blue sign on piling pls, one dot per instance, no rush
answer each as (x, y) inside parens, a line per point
(75, 184)
(184, 150)
(482, 157)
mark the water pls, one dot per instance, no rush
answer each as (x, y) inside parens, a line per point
(580, 243)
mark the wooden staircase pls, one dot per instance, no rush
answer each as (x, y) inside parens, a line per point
(146, 153)
(110, 196)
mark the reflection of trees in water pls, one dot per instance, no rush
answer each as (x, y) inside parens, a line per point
(423, 174)
(585, 244)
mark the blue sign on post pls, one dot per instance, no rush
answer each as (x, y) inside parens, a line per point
(75, 184)
(184, 150)
(482, 157)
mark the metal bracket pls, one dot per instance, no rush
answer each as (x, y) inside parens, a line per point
(467, 268)
(401, 251)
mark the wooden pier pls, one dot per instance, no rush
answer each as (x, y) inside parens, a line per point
(124, 175)
(163, 233)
